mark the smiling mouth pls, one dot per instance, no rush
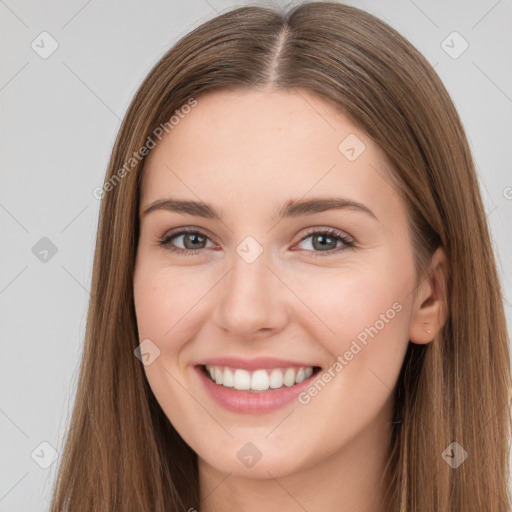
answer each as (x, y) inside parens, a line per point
(258, 381)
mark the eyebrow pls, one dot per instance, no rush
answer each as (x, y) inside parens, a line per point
(292, 208)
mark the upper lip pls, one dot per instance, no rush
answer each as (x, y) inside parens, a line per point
(256, 363)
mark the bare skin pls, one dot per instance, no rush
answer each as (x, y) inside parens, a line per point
(247, 153)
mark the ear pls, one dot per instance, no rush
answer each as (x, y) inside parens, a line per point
(430, 309)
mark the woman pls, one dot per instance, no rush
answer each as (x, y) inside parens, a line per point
(226, 366)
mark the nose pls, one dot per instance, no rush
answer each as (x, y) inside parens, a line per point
(254, 302)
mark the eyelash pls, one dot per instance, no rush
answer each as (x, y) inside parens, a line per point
(329, 232)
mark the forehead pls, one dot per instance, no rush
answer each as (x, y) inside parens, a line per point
(255, 147)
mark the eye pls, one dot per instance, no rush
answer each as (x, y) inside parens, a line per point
(324, 242)
(193, 240)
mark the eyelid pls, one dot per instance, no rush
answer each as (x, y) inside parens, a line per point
(188, 229)
(323, 229)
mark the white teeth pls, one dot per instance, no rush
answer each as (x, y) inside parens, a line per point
(289, 377)
(276, 378)
(227, 379)
(242, 380)
(258, 380)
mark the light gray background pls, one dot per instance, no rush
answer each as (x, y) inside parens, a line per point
(59, 119)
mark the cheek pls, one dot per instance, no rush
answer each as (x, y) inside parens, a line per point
(364, 327)
(355, 303)
(164, 305)
(164, 302)
(364, 317)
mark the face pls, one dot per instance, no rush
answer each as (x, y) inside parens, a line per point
(298, 298)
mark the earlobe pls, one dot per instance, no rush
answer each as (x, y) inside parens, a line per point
(430, 310)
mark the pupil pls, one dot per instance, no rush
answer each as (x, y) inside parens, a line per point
(195, 236)
(323, 244)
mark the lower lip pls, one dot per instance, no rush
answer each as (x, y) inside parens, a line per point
(252, 403)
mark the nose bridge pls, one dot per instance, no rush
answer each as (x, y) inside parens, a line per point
(251, 298)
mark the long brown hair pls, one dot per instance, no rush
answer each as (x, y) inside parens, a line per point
(121, 452)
